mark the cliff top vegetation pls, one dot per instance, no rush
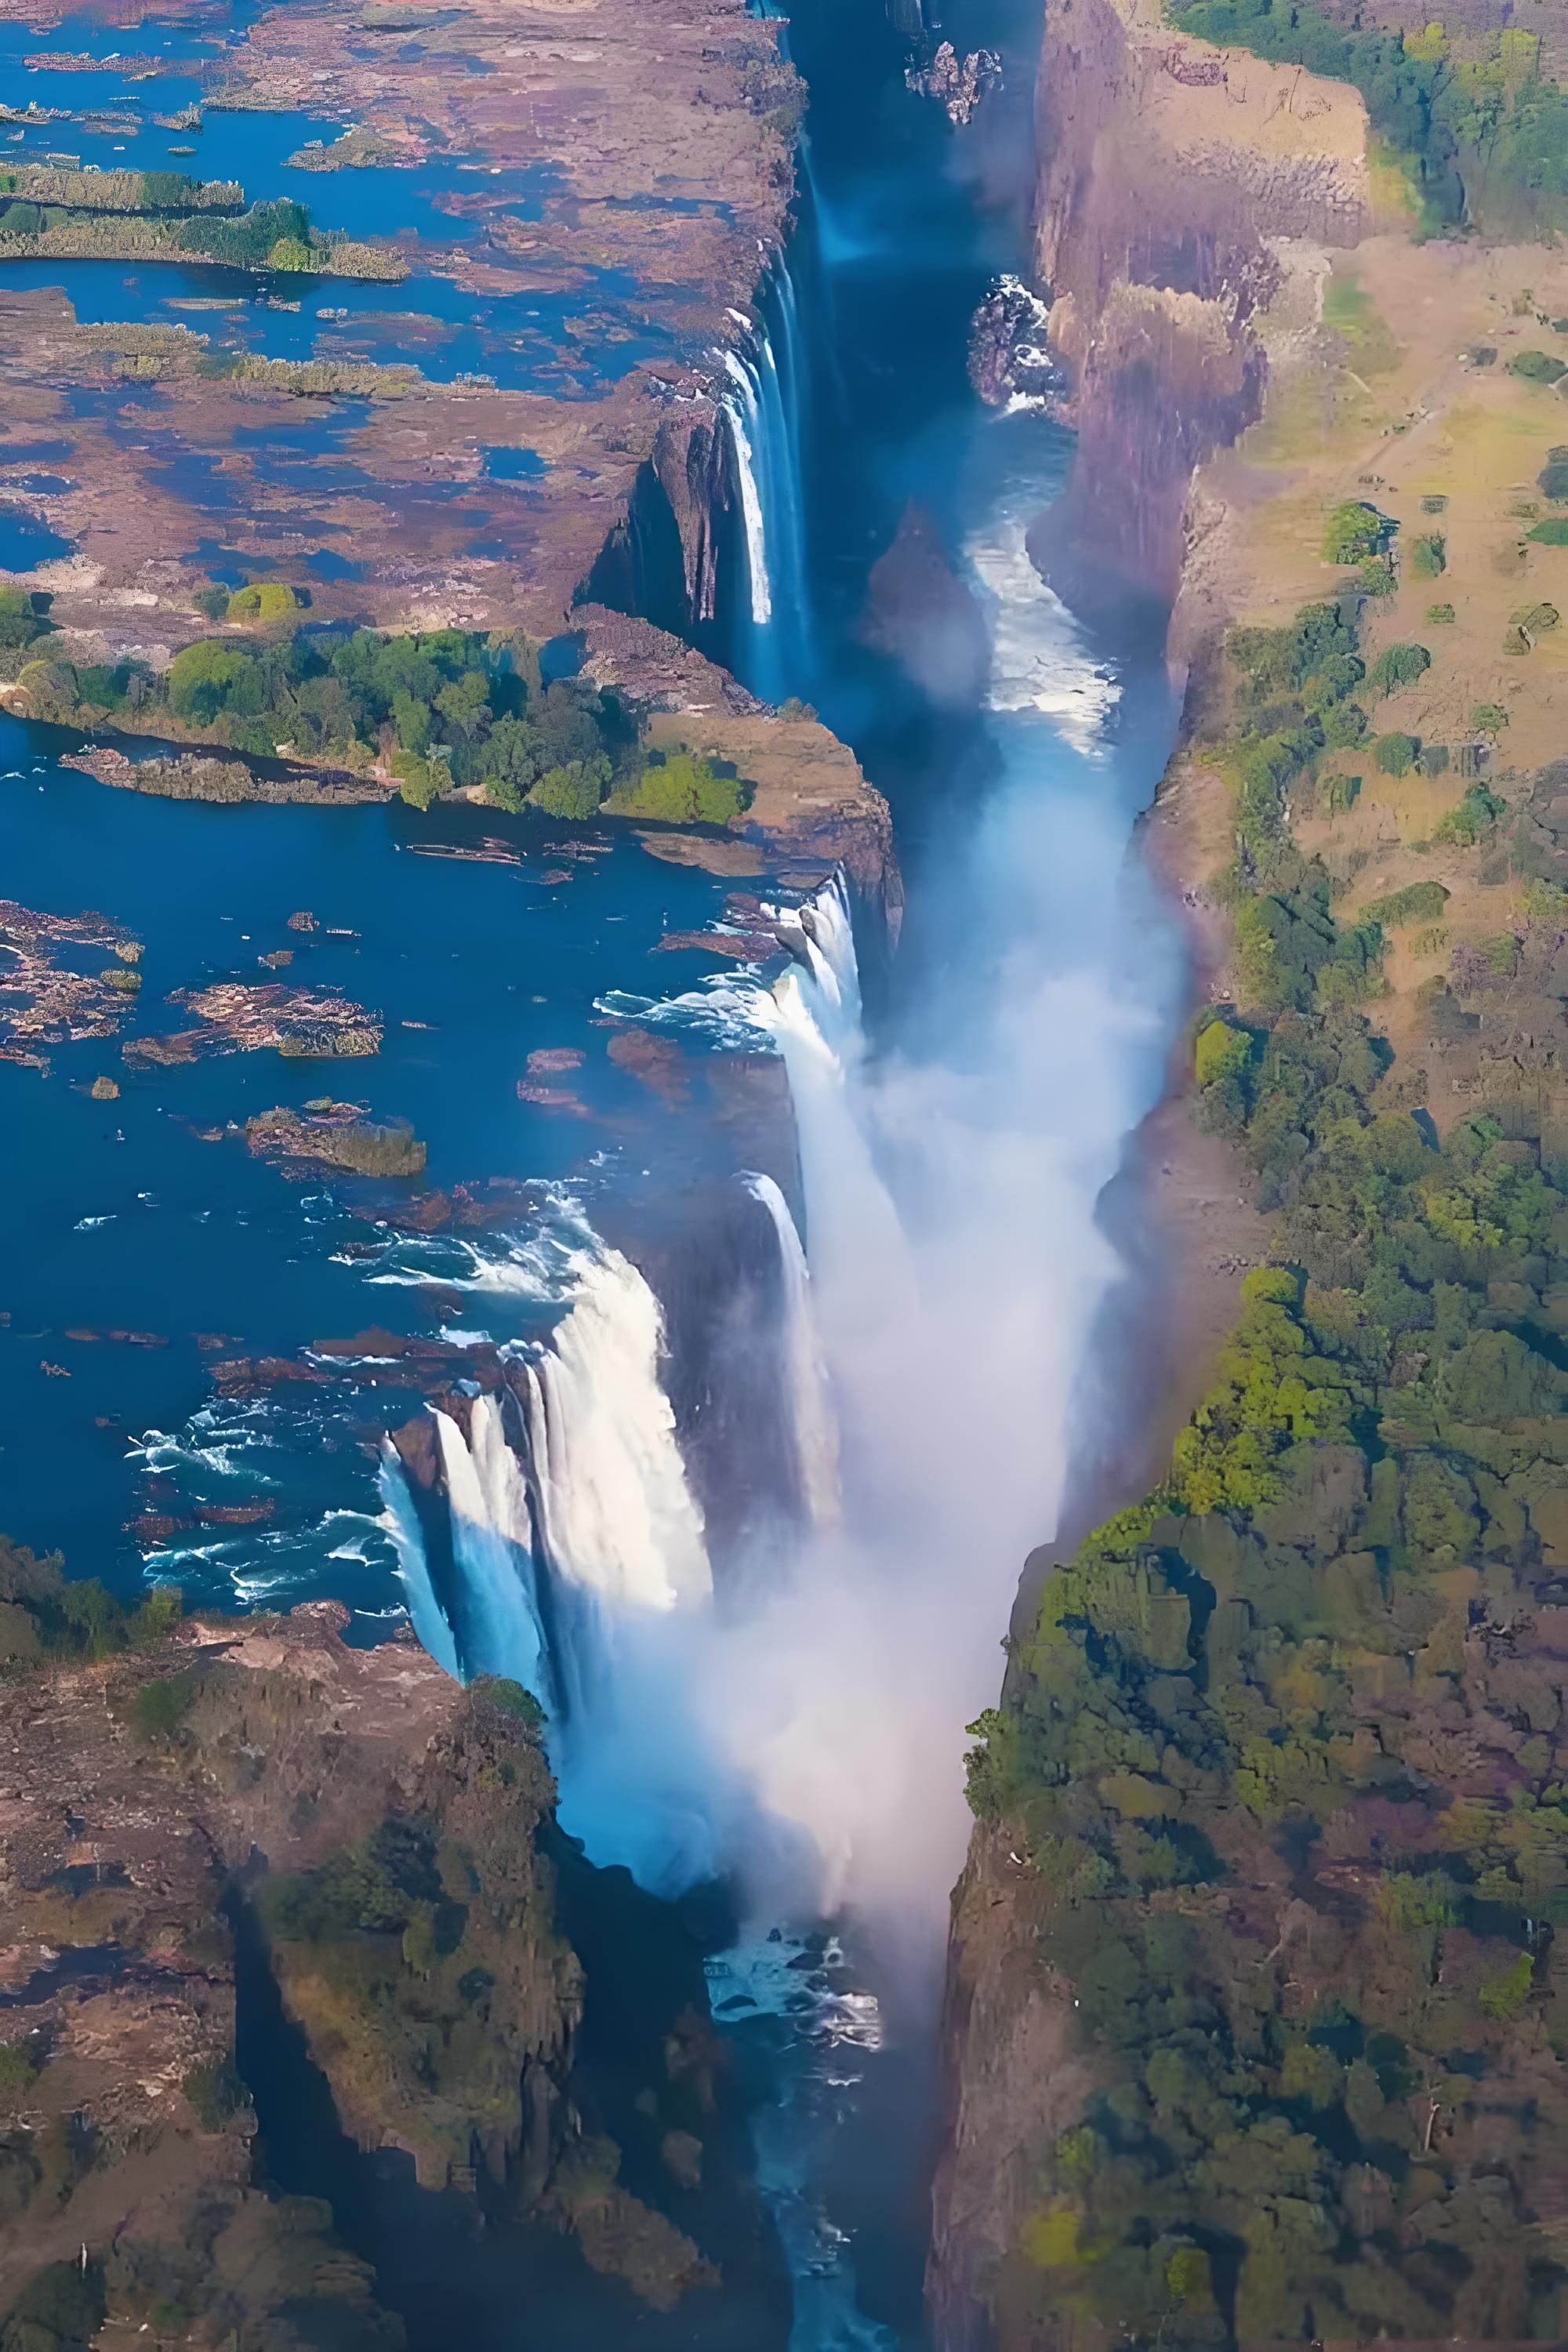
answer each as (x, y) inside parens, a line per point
(1481, 130)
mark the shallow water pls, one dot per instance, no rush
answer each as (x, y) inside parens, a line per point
(130, 1223)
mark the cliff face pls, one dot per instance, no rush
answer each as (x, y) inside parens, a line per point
(1186, 197)
(381, 1843)
(1013, 2078)
(1180, 188)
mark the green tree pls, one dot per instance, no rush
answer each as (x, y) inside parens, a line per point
(1354, 531)
(209, 677)
(1395, 753)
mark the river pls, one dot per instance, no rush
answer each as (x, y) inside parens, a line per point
(789, 1430)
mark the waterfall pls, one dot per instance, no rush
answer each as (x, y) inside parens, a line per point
(762, 401)
(619, 1522)
(742, 406)
(492, 1547)
(815, 1437)
(401, 1521)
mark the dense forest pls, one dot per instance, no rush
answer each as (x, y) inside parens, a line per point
(1286, 1744)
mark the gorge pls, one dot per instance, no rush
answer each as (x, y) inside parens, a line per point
(662, 652)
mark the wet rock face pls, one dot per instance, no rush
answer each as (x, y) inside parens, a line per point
(1009, 355)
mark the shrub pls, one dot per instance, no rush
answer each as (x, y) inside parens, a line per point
(1378, 577)
(1398, 666)
(18, 2065)
(1343, 726)
(684, 790)
(1396, 754)
(263, 599)
(209, 677)
(1488, 717)
(1429, 556)
(1435, 502)
(1554, 475)
(574, 791)
(1416, 903)
(159, 1708)
(1353, 531)
(20, 622)
(1552, 532)
(289, 253)
(1503, 1997)
(212, 601)
(418, 781)
(1221, 1053)
(1538, 367)
(216, 2092)
(1476, 812)
(1439, 615)
(511, 1697)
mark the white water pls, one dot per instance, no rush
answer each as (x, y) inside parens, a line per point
(619, 1521)
(742, 407)
(812, 1427)
(402, 1524)
(492, 1545)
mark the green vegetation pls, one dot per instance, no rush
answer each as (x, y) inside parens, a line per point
(160, 1708)
(682, 789)
(1440, 615)
(1395, 753)
(43, 1615)
(20, 621)
(1314, 1944)
(1484, 139)
(1552, 532)
(265, 601)
(1539, 367)
(1355, 532)
(1418, 902)
(1474, 818)
(444, 708)
(1429, 555)
(216, 2092)
(1397, 665)
(165, 215)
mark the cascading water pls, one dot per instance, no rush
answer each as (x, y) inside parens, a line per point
(492, 1547)
(401, 1521)
(763, 399)
(742, 406)
(816, 1435)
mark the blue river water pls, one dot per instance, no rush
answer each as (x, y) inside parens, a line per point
(123, 1218)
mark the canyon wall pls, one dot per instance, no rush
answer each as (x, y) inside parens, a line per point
(1187, 203)
(1183, 191)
